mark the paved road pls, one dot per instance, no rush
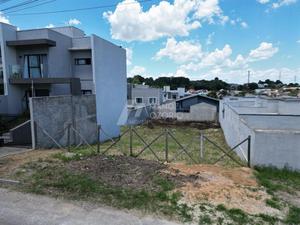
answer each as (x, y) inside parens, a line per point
(26, 209)
(5, 151)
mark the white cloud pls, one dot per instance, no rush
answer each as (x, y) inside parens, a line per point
(263, 1)
(209, 38)
(264, 51)
(73, 22)
(281, 3)
(209, 10)
(130, 22)
(217, 57)
(129, 56)
(50, 25)
(244, 24)
(240, 76)
(180, 52)
(4, 19)
(137, 70)
(298, 41)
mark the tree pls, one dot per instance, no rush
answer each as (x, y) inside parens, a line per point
(138, 79)
(253, 86)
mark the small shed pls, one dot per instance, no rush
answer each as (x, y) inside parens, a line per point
(197, 108)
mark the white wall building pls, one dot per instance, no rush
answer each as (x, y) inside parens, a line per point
(274, 127)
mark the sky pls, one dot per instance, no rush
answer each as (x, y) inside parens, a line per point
(198, 39)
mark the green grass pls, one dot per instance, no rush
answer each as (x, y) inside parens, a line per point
(56, 181)
(278, 179)
(293, 216)
(205, 219)
(236, 215)
(268, 219)
(274, 203)
(188, 137)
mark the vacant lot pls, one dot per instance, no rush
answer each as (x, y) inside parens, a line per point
(182, 190)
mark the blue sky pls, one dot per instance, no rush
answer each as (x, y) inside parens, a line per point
(200, 39)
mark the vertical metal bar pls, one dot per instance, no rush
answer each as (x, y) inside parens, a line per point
(201, 145)
(249, 151)
(69, 137)
(167, 146)
(130, 142)
(98, 138)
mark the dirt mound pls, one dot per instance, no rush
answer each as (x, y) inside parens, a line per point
(233, 187)
(175, 123)
(120, 171)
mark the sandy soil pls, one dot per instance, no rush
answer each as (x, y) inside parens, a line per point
(233, 187)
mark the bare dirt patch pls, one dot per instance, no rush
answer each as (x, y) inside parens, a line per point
(127, 172)
(9, 164)
(175, 123)
(232, 187)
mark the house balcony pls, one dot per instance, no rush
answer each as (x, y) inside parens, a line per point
(16, 78)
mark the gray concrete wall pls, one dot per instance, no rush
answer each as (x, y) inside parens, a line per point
(9, 57)
(84, 72)
(277, 148)
(199, 112)
(81, 43)
(110, 79)
(52, 115)
(235, 129)
(275, 139)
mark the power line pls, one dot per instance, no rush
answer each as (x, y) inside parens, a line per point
(29, 7)
(4, 1)
(18, 5)
(74, 10)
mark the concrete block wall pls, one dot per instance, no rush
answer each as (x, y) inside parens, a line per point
(51, 116)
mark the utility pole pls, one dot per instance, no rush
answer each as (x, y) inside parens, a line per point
(279, 75)
(248, 77)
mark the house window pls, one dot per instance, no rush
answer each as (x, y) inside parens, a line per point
(86, 92)
(152, 100)
(1, 75)
(83, 61)
(138, 100)
(35, 66)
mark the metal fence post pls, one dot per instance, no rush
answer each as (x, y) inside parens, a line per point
(130, 142)
(167, 146)
(98, 138)
(249, 151)
(201, 145)
(69, 136)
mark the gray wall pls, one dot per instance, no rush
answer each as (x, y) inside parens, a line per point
(199, 112)
(109, 70)
(84, 72)
(275, 139)
(52, 115)
(140, 91)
